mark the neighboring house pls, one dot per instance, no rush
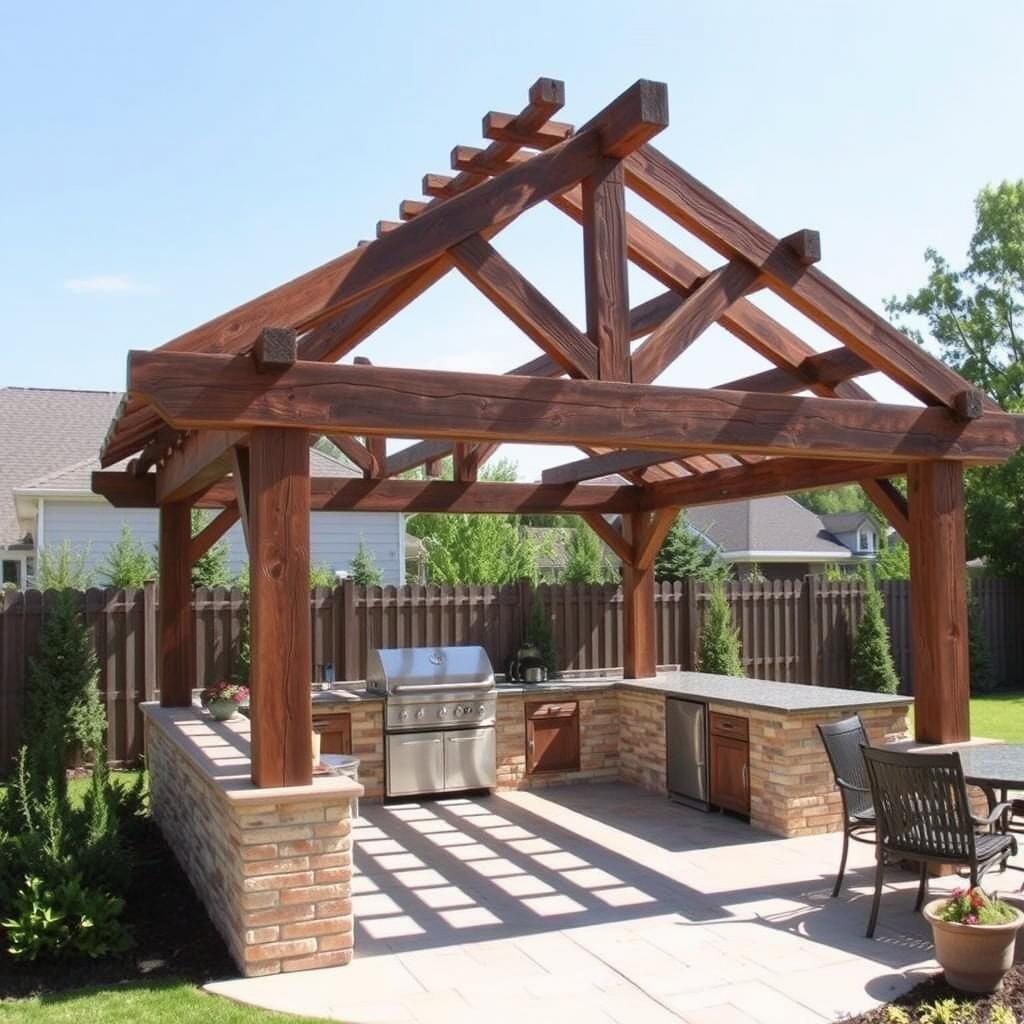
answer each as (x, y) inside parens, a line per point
(782, 538)
(49, 447)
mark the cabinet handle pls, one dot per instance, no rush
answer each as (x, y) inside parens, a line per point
(746, 782)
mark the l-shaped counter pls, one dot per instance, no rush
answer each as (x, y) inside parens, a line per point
(765, 759)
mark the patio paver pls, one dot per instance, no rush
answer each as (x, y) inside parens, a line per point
(603, 900)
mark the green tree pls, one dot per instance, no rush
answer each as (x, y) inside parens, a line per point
(538, 633)
(322, 576)
(975, 317)
(721, 651)
(363, 569)
(684, 554)
(128, 563)
(893, 559)
(63, 568)
(872, 664)
(983, 676)
(463, 548)
(211, 568)
(585, 558)
(830, 500)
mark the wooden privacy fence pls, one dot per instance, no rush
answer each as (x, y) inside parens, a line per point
(792, 631)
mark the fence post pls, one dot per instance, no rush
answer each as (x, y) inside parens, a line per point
(812, 587)
(691, 643)
(349, 630)
(149, 640)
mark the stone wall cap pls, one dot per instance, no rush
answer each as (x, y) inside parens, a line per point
(219, 751)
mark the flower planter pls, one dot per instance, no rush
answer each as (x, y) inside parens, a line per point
(974, 956)
(222, 710)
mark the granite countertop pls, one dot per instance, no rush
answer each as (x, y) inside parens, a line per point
(787, 698)
(337, 697)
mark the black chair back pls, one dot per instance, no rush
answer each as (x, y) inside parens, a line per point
(843, 742)
(921, 804)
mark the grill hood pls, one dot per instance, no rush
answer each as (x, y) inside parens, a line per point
(419, 669)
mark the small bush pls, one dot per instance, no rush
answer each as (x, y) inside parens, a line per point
(363, 570)
(873, 669)
(983, 676)
(720, 648)
(538, 633)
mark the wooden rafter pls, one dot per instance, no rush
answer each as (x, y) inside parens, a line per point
(212, 532)
(611, 535)
(203, 458)
(604, 464)
(651, 532)
(211, 391)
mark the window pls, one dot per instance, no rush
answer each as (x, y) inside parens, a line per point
(865, 540)
(11, 572)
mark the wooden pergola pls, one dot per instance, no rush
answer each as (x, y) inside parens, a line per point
(222, 416)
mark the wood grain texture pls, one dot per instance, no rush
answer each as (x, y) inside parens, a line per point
(605, 266)
(533, 313)
(651, 531)
(279, 604)
(219, 392)
(891, 503)
(694, 315)
(610, 534)
(639, 637)
(275, 349)
(212, 532)
(594, 466)
(678, 195)
(357, 453)
(821, 369)
(240, 485)
(938, 603)
(204, 457)
(177, 658)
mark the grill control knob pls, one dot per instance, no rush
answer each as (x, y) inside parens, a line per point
(419, 713)
(442, 712)
(404, 716)
(481, 710)
(459, 710)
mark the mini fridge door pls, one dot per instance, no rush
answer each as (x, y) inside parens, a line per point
(686, 742)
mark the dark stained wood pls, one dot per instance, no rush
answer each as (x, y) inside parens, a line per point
(341, 494)
(275, 349)
(610, 534)
(891, 503)
(463, 467)
(772, 476)
(280, 609)
(552, 737)
(503, 128)
(646, 316)
(969, 404)
(214, 391)
(211, 533)
(432, 468)
(825, 369)
(335, 733)
(806, 246)
(710, 300)
(650, 534)
(639, 114)
(665, 185)
(639, 637)
(595, 466)
(357, 452)
(240, 481)
(177, 674)
(525, 306)
(204, 457)
(377, 446)
(938, 603)
(605, 267)
(729, 772)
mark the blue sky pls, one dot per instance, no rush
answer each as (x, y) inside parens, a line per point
(165, 163)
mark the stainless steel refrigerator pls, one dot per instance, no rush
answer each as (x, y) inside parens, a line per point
(686, 741)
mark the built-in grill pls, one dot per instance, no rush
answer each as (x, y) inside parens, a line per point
(439, 711)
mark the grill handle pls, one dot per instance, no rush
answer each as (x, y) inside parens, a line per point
(438, 687)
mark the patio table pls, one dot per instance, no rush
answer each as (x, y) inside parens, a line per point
(996, 767)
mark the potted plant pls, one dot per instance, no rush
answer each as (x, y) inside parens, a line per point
(974, 937)
(222, 699)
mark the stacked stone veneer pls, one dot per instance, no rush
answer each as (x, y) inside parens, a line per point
(367, 720)
(274, 874)
(642, 740)
(792, 791)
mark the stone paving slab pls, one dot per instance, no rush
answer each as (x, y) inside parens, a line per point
(605, 903)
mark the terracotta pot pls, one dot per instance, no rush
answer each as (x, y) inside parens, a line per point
(222, 710)
(974, 956)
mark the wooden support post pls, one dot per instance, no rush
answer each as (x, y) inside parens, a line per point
(639, 636)
(177, 637)
(281, 625)
(938, 603)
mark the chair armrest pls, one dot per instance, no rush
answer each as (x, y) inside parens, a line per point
(843, 784)
(994, 815)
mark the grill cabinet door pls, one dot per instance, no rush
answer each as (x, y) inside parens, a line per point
(415, 763)
(470, 759)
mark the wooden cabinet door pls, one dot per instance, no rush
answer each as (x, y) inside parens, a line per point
(553, 737)
(730, 773)
(335, 733)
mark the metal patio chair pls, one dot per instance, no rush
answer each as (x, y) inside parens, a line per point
(924, 814)
(843, 741)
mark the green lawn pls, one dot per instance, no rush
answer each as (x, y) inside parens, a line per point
(167, 1002)
(998, 716)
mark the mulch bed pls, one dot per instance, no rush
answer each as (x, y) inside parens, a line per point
(1010, 993)
(173, 936)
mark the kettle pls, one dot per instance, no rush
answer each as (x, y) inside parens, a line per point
(526, 666)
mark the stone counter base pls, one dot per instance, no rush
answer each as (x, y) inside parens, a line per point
(275, 877)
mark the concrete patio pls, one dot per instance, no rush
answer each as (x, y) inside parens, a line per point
(606, 901)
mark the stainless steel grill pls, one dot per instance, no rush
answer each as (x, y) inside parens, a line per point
(439, 714)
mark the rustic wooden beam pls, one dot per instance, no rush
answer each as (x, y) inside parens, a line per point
(276, 348)
(507, 128)
(822, 369)
(204, 457)
(212, 532)
(218, 392)
(891, 503)
(177, 673)
(806, 246)
(357, 452)
(486, 269)
(241, 482)
(605, 269)
(605, 464)
(648, 315)
(281, 706)
(678, 195)
(611, 535)
(639, 635)
(333, 494)
(938, 603)
(463, 469)
(772, 476)
(709, 301)
(651, 531)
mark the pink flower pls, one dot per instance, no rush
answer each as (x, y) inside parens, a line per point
(971, 919)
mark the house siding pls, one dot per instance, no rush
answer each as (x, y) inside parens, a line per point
(334, 536)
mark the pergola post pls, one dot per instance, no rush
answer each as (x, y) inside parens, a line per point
(638, 628)
(177, 644)
(938, 602)
(281, 644)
